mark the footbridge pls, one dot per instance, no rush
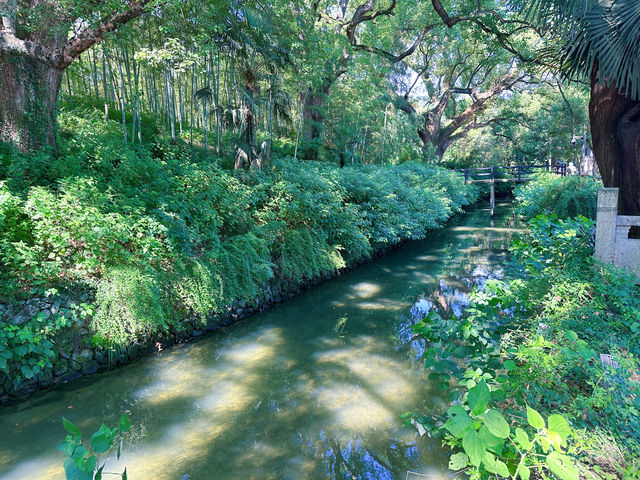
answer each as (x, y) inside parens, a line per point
(512, 173)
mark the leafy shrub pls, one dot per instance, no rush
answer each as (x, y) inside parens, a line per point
(243, 266)
(302, 254)
(82, 463)
(130, 307)
(565, 197)
(27, 350)
(536, 344)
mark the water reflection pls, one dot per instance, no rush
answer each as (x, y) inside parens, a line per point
(313, 388)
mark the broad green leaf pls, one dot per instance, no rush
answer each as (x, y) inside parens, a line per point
(101, 440)
(494, 465)
(509, 365)
(562, 466)
(534, 418)
(90, 464)
(459, 424)
(522, 439)
(496, 423)
(458, 461)
(491, 442)
(70, 427)
(545, 442)
(524, 472)
(98, 475)
(474, 447)
(72, 472)
(479, 397)
(558, 424)
(571, 335)
(555, 439)
(125, 424)
(67, 447)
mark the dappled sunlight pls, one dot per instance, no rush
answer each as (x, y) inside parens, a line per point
(428, 258)
(219, 394)
(381, 304)
(188, 377)
(352, 408)
(465, 228)
(49, 467)
(362, 389)
(366, 289)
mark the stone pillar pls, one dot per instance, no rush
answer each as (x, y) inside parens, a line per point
(606, 225)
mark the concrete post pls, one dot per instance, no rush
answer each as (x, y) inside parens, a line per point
(606, 225)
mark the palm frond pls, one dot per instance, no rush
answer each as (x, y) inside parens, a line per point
(606, 32)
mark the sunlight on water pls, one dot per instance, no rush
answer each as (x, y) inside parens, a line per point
(366, 289)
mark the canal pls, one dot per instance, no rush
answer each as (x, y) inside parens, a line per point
(313, 388)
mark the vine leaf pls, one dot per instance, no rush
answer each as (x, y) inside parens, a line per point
(479, 397)
(496, 424)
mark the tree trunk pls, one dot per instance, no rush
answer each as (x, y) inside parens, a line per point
(615, 130)
(313, 117)
(28, 94)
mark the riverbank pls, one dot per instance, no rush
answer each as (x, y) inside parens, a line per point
(543, 366)
(77, 357)
(110, 251)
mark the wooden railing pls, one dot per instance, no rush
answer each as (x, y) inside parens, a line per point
(516, 173)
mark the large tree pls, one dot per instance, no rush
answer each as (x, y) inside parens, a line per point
(38, 40)
(601, 41)
(461, 80)
(334, 32)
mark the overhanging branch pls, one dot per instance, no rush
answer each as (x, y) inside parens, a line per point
(89, 36)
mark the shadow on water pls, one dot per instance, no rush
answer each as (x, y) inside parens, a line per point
(313, 388)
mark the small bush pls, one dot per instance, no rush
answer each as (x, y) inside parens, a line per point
(565, 197)
(536, 344)
(130, 307)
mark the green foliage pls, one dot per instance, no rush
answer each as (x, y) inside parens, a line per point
(532, 349)
(27, 350)
(490, 446)
(397, 203)
(555, 243)
(565, 197)
(87, 463)
(159, 234)
(594, 33)
(130, 306)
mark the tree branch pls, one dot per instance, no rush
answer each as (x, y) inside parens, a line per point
(363, 14)
(89, 36)
(401, 56)
(12, 45)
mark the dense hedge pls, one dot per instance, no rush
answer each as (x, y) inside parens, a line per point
(159, 233)
(565, 197)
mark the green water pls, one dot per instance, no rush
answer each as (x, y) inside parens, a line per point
(311, 389)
